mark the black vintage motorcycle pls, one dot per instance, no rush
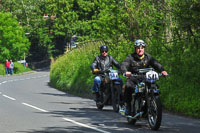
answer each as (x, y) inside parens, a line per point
(110, 90)
(145, 102)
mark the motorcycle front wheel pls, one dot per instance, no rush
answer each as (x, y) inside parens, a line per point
(116, 97)
(155, 113)
(99, 103)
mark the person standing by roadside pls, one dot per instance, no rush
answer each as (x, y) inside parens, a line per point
(11, 67)
(7, 66)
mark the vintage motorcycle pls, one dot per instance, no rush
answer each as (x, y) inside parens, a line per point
(110, 90)
(145, 102)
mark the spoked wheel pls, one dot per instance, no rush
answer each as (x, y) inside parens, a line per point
(155, 113)
(116, 97)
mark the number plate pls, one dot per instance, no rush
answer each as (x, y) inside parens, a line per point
(152, 76)
(113, 75)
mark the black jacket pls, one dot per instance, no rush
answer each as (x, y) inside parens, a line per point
(104, 63)
(132, 63)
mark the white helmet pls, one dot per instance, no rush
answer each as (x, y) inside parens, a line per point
(139, 43)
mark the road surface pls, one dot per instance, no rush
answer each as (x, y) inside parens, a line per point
(29, 105)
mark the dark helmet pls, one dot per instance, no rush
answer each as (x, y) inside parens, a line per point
(139, 43)
(103, 48)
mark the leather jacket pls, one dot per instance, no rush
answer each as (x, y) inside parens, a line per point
(133, 62)
(102, 63)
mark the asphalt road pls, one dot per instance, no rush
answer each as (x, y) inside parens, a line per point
(29, 105)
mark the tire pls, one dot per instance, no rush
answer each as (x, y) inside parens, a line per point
(131, 121)
(100, 104)
(155, 113)
(116, 94)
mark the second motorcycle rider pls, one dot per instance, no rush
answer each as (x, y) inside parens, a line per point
(102, 63)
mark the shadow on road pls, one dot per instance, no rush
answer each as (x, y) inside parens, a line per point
(105, 119)
(71, 129)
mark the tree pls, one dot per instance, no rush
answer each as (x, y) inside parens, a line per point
(13, 42)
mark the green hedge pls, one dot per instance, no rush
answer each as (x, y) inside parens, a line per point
(179, 92)
(71, 72)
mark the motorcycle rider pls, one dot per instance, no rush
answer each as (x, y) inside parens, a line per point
(102, 63)
(137, 60)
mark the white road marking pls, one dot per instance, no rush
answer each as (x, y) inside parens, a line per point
(84, 125)
(9, 97)
(34, 107)
(26, 104)
(23, 79)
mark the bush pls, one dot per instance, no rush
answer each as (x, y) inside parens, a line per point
(71, 73)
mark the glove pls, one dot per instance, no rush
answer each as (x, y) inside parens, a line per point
(96, 70)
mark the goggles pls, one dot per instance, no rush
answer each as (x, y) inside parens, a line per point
(140, 44)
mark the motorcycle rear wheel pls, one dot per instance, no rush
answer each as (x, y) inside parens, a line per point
(131, 121)
(155, 113)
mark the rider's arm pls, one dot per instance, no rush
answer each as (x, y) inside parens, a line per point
(126, 64)
(94, 64)
(115, 63)
(156, 65)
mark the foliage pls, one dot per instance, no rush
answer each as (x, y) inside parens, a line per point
(171, 30)
(74, 67)
(29, 14)
(13, 43)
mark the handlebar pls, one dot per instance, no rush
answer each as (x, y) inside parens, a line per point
(106, 71)
(141, 72)
(135, 75)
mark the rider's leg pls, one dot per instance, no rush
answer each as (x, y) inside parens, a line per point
(121, 93)
(129, 89)
(97, 83)
(96, 87)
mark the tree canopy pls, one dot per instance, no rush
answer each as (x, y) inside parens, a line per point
(13, 42)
